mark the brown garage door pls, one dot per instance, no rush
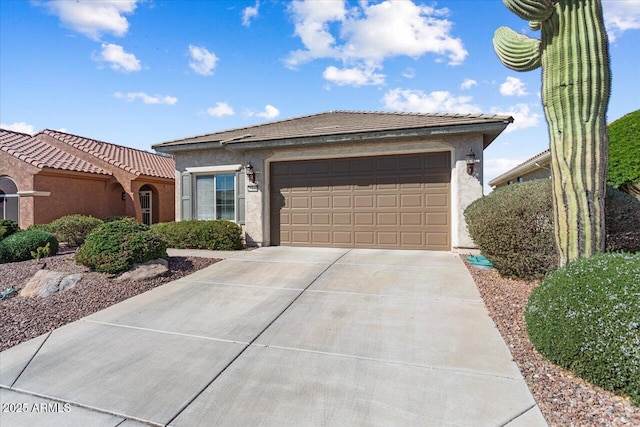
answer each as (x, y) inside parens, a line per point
(400, 201)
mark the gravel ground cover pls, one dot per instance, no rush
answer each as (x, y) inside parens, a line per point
(26, 318)
(565, 400)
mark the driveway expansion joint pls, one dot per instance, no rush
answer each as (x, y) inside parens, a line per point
(31, 359)
(391, 362)
(119, 325)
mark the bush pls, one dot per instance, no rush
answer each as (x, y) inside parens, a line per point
(624, 151)
(43, 227)
(513, 227)
(2, 231)
(115, 246)
(73, 229)
(195, 234)
(623, 221)
(18, 246)
(115, 218)
(586, 318)
(10, 227)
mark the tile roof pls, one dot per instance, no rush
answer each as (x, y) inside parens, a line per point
(339, 123)
(134, 161)
(42, 155)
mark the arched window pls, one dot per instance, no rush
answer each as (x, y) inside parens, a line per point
(9, 201)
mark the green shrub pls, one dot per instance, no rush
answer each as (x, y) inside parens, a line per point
(43, 227)
(624, 150)
(115, 218)
(18, 246)
(513, 227)
(195, 234)
(586, 318)
(2, 231)
(73, 229)
(10, 227)
(115, 246)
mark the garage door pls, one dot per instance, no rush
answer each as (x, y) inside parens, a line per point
(400, 201)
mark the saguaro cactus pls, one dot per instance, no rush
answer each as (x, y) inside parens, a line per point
(574, 55)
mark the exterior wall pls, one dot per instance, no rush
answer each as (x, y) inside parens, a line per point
(539, 173)
(464, 188)
(22, 174)
(73, 194)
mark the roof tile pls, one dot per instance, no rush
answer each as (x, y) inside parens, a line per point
(336, 123)
(42, 155)
(132, 160)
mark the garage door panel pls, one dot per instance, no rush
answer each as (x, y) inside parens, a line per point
(342, 202)
(398, 201)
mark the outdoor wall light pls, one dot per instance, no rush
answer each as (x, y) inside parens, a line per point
(251, 174)
(124, 196)
(471, 160)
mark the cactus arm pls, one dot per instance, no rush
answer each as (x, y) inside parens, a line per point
(517, 51)
(531, 10)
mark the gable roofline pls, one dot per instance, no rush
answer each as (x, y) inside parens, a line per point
(534, 163)
(341, 125)
(41, 155)
(132, 160)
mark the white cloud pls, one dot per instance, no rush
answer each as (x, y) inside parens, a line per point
(147, 99)
(409, 73)
(118, 59)
(468, 84)
(353, 77)
(249, 13)
(365, 35)
(621, 16)
(523, 116)
(513, 86)
(202, 61)
(18, 127)
(270, 112)
(220, 110)
(434, 102)
(496, 167)
(93, 18)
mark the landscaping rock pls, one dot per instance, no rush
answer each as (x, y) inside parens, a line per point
(144, 271)
(47, 282)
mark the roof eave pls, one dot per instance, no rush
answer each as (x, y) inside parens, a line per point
(527, 167)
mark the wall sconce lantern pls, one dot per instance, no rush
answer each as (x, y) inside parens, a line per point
(251, 174)
(471, 160)
(124, 196)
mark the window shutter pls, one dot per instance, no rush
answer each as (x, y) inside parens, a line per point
(240, 198)
(185, 196)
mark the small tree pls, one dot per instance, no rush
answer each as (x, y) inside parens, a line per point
(574, 55)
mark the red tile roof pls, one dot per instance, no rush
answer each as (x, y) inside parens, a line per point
(42, 155)
(135, 161)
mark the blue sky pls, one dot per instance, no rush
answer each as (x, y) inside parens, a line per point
(137, 73)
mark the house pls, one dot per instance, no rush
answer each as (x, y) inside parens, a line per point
(52, 174)
(537, 167)
(340, 178)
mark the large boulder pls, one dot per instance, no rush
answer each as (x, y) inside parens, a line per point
(144, 271)
(47, 282)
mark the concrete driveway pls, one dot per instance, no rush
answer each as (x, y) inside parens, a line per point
(280, 336)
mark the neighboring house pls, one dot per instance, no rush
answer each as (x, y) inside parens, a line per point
(52, 174)
(537, 167)
(339, 179)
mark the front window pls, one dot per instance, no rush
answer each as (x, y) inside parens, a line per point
(216, 197)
